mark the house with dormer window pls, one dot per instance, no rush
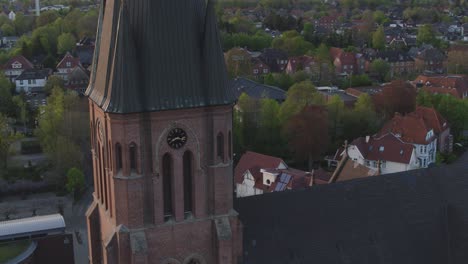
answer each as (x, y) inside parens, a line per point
(383, 154)
(15, 66)
(67, 65)
(412, 129)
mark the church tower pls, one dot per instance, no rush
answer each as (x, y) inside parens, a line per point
(161, 137)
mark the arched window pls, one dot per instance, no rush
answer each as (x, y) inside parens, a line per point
(188, 175)
(230, 145)
(220, 146)
(167, 184)
(118, 157)
(133, 158)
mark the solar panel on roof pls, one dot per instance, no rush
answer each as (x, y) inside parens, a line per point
(279, 187)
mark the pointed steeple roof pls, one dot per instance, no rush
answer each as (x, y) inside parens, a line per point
(155, 55)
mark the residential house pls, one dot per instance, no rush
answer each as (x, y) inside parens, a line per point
(400, 62)
(258, 173)
(326, 24)
(32, 80)
(15, 66)
(301, 63)
(276, 59)
(344, 62)
(456, 59)
(329, 92)
(78, 80)
(412, 129)
(439, 124)
(259, 68)
(455, 85)
(430, 60)
(256, 90)
(370, 90)
(348, 169)
(12, 16)
(9, 42)
(382, 154)
(66, 65)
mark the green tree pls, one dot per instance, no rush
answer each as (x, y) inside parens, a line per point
(8, 29)
(22, 110)
(336, 110)
(426, 35)
(46, 18)
(238, 63)
(380, 17)
(7, 106)
(380, 68)
(268, 139)
(65, 43)
(293, 43)
(7, 138)
(299, 96)
(248, 108)
(378, 39)
(362, 120)
(53, 82)
(22, 24)
(75, 181)
(308, 31)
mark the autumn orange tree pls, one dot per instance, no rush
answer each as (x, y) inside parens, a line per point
(307, 133)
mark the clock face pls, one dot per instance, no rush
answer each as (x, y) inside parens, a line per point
(176, 138)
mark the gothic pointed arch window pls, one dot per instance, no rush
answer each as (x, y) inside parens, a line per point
(188, 181)
(220, 146)
(132, 151)
(167, 170)
(118, 157)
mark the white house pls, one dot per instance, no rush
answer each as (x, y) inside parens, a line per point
(15, 66)
(12, 16)
(413, 129)
(32, 80)
(257, 174)
(383, 154)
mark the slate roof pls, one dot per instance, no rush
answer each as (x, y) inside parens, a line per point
(158, 55)
(256, 90)
(413, 217)
(34, 74)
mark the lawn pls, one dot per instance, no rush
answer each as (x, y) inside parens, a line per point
(11, 250)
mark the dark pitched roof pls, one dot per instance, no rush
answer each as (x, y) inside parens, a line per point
(256, 90)
(414, 217)
(34, 74)
(158, 55)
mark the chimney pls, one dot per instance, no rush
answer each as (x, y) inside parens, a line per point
(367, 139)
(38, 8)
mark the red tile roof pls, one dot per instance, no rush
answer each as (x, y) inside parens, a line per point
(444, 84)
(432, 118)
(386, 147)
(411, 128)
(253, 160)
(26, 64)
(74, 62)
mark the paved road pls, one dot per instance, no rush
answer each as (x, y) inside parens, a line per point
(77, 226)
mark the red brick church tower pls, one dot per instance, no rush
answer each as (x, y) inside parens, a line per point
(161, 122)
